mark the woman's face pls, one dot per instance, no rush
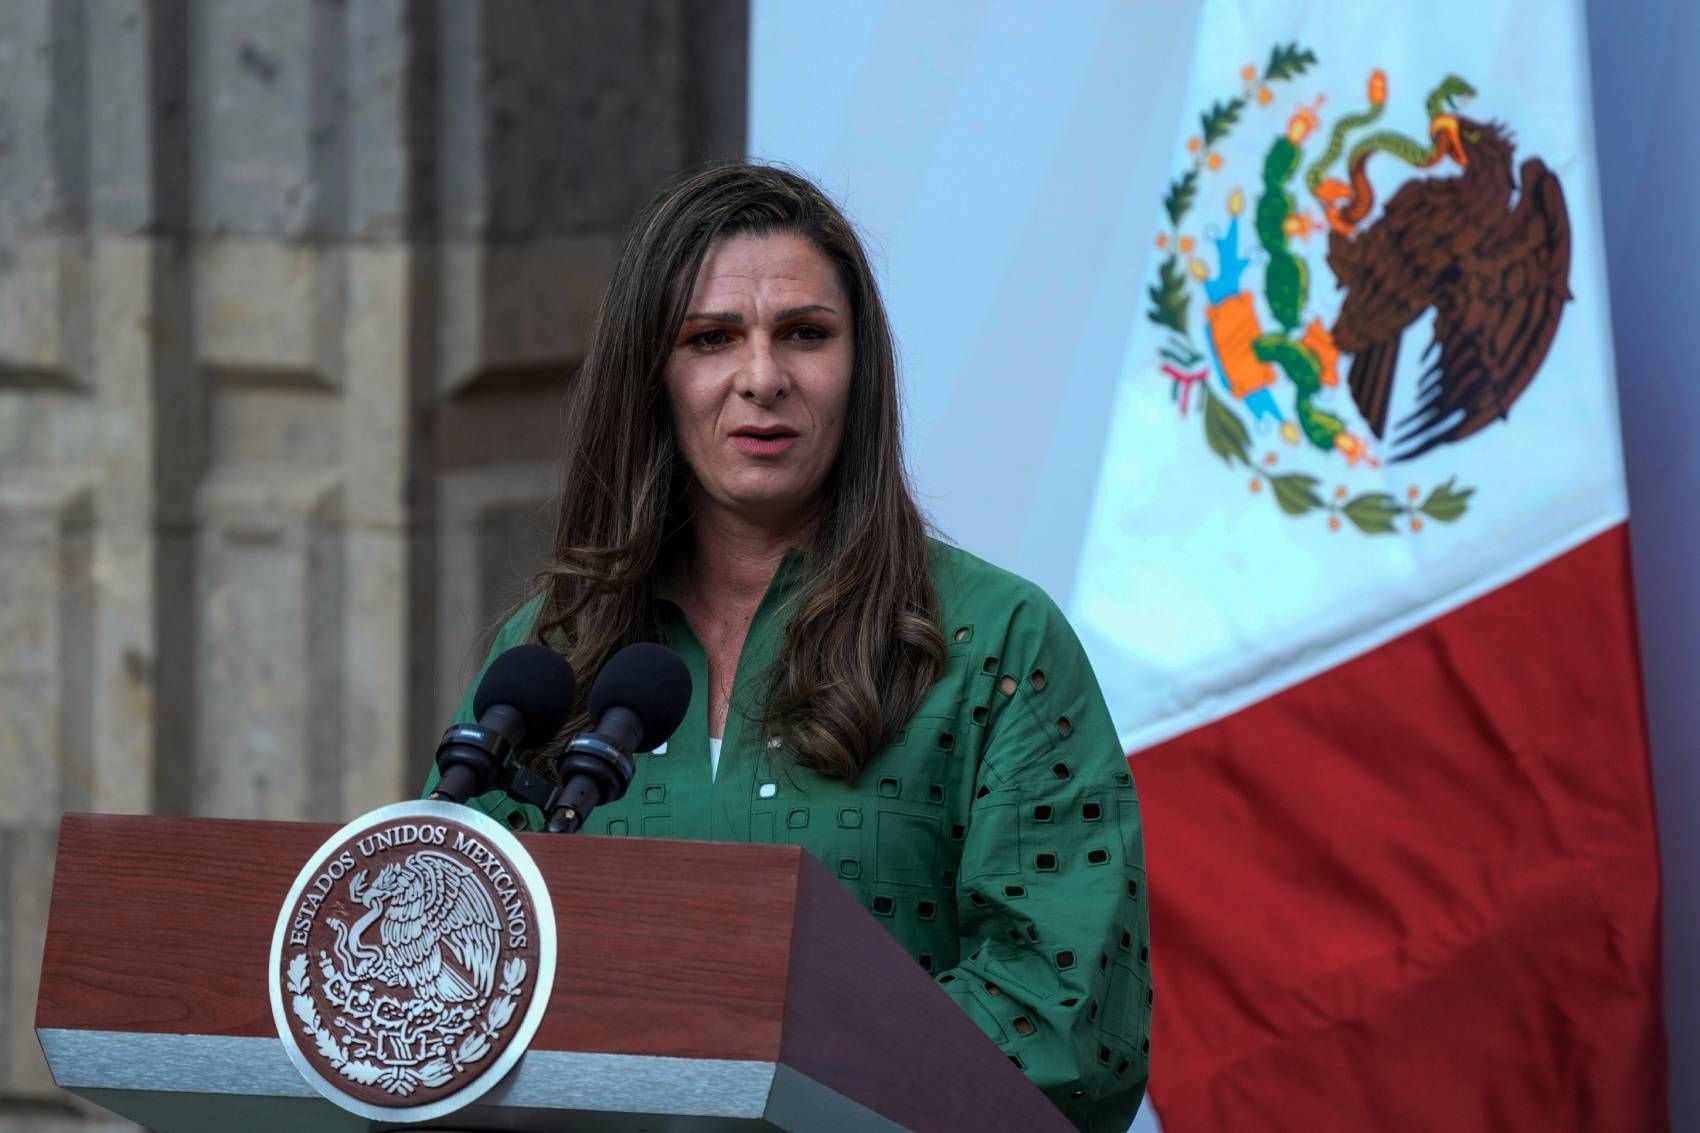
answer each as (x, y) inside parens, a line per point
(759, 377)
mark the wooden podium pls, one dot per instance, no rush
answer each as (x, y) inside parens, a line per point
(698, 986)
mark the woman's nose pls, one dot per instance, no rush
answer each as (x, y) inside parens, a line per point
(763, 379)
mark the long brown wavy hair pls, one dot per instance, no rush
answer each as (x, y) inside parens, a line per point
(864, 642)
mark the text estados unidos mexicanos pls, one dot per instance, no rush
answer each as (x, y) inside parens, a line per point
(411, 833)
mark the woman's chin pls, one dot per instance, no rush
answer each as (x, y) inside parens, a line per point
(767, 500)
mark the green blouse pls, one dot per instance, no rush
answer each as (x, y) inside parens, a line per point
(997, 837)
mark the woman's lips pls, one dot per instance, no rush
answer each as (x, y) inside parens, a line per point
(765, 445)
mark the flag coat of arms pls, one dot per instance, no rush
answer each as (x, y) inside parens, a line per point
(1356, 585)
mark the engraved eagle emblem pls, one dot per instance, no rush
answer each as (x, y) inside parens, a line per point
(438, 930)
(412, 960)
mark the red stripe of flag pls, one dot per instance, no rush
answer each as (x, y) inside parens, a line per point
(1421, 890)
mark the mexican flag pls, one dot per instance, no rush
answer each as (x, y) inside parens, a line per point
(1356, 585)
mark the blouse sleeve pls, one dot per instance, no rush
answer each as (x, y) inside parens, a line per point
(497, 804)
(1051, 890)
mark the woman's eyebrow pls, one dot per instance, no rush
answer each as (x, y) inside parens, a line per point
(737, 319)
(806, 309)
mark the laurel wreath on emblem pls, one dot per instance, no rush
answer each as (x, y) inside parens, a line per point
(1243, 357)
(365, 1020)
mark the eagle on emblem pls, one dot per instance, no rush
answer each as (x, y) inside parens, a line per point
(1496, 274)
(438, 930)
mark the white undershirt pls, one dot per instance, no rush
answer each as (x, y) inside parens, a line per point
(713, 756)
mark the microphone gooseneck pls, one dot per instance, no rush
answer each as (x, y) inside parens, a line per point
(521, 703)
(638, 700)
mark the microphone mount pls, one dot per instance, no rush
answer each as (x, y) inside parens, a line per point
(469, 756)
(597, 768)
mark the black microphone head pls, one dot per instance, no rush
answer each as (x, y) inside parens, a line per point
(534, 681)
(649, 680)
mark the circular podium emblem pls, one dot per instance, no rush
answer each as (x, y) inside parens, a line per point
(412, 961)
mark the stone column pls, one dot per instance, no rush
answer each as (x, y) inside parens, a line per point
(288, 291)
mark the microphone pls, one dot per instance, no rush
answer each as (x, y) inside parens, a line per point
(637, 701)
(521, 703)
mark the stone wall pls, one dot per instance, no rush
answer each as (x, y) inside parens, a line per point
(287, 292)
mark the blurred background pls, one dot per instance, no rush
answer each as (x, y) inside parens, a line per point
(286, 293)
(287, 290)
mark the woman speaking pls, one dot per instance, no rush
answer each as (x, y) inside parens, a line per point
(924, 723)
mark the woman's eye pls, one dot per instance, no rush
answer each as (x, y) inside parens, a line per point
(709, 339)
(809, 332)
